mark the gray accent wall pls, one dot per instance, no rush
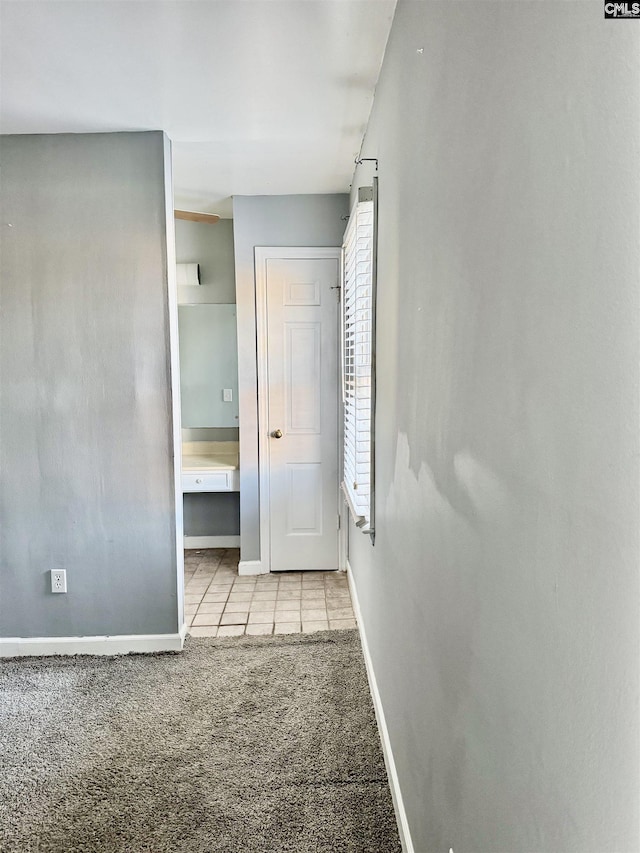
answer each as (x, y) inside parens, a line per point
(288, 220)
(212, 514)
(211, 246)
(209, 363)
(501, 598)
(86, 441)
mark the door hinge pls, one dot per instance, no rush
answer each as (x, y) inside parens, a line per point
(339, 521)
(337, 288)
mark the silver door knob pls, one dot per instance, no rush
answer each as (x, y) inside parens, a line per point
(277, 433)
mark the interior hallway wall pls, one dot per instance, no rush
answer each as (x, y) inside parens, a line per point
(86, 439)
(501, 598)
(211, 246)
(288, 220)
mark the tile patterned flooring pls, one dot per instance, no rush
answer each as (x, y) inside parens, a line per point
(220, 603)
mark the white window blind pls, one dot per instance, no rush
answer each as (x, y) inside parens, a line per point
(357, 351)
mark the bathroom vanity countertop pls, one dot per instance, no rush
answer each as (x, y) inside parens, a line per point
(210, 456)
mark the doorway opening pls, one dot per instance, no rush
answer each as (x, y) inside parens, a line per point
(221, 603)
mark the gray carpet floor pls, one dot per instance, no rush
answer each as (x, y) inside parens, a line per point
(237, 745)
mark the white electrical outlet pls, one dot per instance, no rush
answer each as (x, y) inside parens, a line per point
(58, 580)
(227, 395)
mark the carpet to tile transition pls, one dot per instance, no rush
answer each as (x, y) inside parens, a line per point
(237, 745)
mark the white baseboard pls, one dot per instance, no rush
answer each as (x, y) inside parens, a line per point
(211, 542)
(252, 567)
(392, 773)
(11, 647)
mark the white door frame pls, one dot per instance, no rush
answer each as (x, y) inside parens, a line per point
(262, 255)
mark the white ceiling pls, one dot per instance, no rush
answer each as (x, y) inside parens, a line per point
(258, 96)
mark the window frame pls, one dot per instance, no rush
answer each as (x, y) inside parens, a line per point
(356, 360)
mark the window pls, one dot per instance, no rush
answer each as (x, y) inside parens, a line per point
(358, 389)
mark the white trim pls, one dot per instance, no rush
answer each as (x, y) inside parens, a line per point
(392, 773)
(174, 367)
(122, 644)
(358, 520)
(211, 542)
(262, 254)
(310, 571)
(252, 567)
(343, 532)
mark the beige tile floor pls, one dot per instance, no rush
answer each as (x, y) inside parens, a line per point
(219, 603)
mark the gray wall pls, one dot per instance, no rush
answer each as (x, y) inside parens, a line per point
(500, 600)
(288, 220)
(208, 365)
(86, 441)
(214, 514)
(212, 247)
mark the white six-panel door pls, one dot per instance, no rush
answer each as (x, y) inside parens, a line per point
(300, 435)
